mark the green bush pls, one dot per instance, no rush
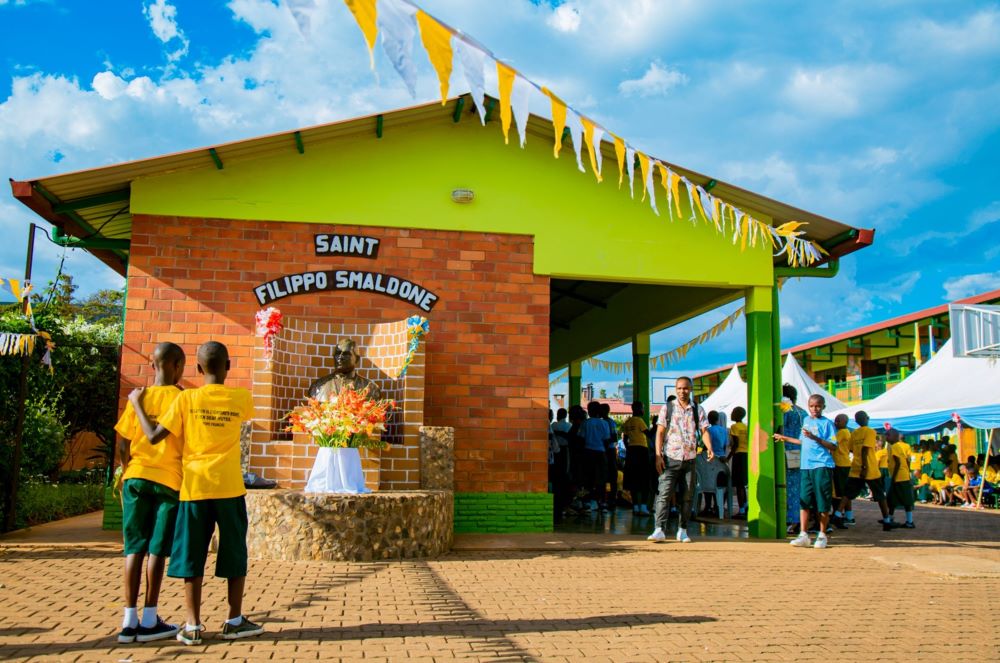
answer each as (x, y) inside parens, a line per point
(39, 503)
(44, 438)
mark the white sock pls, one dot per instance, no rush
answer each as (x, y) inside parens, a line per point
(821, 535)
(235, 621)
(192, 627)
(131, 618)
(148, 616)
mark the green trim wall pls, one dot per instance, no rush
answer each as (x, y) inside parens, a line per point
(503, 512)
(582, 229)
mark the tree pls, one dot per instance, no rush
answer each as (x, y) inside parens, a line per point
(57, 296)
(102, 307)
(603, 393)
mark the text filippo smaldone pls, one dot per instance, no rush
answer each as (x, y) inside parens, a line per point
(345, 279)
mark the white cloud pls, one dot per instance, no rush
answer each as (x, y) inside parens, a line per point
(971, 284)
(841, 91)
(976, 34)
(565, 18)
(657, 80)
(894, 289)
(162, 17)
(980, 218)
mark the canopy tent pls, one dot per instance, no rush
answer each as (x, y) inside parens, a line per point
(731, 393)
(805, 386)
(944, 386)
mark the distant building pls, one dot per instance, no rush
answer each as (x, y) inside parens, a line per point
(587, 394)
(627, 391)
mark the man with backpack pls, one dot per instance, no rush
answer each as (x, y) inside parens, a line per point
(679, 425)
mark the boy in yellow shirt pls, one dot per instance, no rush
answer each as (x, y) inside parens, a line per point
(150, 483)
(842, 469)
(208, 420)
(864, 471)
(902, 485)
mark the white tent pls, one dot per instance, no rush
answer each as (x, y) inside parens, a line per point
(944, 386)
(805, 386)
(729, 394)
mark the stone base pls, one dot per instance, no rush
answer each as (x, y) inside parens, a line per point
(289, 525)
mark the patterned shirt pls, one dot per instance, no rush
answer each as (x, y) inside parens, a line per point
(681, 438)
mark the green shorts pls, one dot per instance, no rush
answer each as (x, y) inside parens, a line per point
(840, 475)
(149, 510)
(856, 485)
(816, 489)
(196, 523)
(901, 495)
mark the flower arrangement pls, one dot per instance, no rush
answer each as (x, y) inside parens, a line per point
(268, 324)
(350, 419)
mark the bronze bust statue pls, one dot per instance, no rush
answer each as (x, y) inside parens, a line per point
(345, 362)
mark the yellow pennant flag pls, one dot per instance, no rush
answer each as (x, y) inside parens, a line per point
(588, 139)
(675, 189)
(558, 119)
(505, 81)
(697, 203)
(644, 169)
(437, 40)
(364, 13)
(620, 155)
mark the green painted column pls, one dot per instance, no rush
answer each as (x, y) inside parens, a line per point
(575, 371)
(781, 494)
(640, 372)
(762, 493)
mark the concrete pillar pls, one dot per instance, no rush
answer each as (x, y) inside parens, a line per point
(640, 372)
(762, 516)
(575, 372)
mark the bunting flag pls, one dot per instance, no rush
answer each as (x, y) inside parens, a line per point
(364, 12)
(437, 41)
(505, 83)
(24, 344)
(662, 360)
(395, 20)
(473, 61)
(592, 136)
(416, 328)
(620, 156)
(558, 120)
(399, 22)
(17, 344)
(559, 378)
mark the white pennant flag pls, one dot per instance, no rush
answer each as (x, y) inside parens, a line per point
(302, 11)
(473, 60)
(708, 204)
(689, 187)
(519, 106)
(630, 167)
(398, 26)
(576, 133)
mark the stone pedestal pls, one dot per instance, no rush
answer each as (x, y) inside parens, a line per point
(290, 525)
(437, 458)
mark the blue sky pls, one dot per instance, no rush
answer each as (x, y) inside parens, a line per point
(879, 114)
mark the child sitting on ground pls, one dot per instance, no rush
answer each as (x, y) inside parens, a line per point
(151, 479)
(973, 482)
(208, 421)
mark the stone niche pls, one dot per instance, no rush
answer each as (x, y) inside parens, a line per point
(302, 353)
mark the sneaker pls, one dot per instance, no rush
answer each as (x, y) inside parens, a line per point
(850, 521)
(244, 629)
(820, 541)
(157, 631)
(127, 634)
(657, 536)
(643, 510)
(908, 526)
(682, 536)
(886, 527)
(190, 636)
(801, 541)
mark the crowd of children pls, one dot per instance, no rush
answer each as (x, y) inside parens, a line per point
(594, 467)
(180, 452)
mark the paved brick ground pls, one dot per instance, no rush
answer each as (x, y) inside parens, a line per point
(920, 595)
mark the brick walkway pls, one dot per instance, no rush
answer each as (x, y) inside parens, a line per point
(919, 595)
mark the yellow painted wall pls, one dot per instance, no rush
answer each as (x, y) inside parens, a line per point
(582, 229)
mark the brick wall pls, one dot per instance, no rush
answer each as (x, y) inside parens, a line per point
(486, 374)
(302, 353)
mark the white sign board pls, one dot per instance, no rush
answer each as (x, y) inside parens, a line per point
(975, 330)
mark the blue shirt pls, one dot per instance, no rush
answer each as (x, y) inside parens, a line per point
(720, 439)
(594, 431)
(814, 454)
